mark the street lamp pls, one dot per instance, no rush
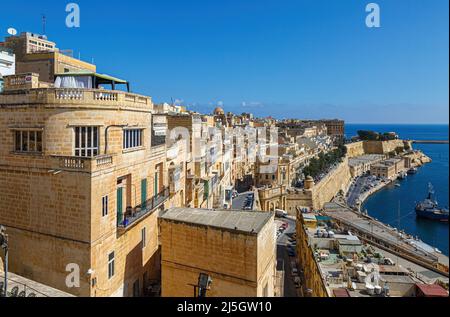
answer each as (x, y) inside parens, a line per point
(203, 285)
(4, 246)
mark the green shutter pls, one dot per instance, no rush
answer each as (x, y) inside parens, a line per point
(119, 205)
(206, 191)
(144, 193)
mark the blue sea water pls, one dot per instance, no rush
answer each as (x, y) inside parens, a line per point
(385, 204)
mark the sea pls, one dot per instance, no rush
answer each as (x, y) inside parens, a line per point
(396, 205)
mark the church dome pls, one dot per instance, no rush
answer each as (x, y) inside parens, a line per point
(219, 111)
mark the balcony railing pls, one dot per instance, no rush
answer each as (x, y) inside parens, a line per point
(82, 164)
(71, 96)
(145, 209)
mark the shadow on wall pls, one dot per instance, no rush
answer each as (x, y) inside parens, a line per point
(138, 276)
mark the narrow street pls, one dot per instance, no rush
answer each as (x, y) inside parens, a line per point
(284, 261)
(239, 203)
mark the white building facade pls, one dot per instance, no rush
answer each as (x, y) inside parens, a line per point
(7, 64)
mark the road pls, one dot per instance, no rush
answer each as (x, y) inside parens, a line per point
(356, 190)
(239, 201)
(284, 262)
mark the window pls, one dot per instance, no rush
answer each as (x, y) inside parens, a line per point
(144, 237)
(86, 141)
(132, 138)
(28, 141)
(111, 265)
(105, 206)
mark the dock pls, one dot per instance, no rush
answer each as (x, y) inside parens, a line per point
(430, 141)
(387, 238)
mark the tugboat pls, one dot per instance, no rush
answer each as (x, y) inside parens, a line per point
(430, 209)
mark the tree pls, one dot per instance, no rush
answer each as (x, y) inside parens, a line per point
(368, 135)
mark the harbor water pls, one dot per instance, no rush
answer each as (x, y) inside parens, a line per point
(396, 205)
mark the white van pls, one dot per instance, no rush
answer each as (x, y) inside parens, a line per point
(281, 213)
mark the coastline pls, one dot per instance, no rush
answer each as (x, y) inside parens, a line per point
(421, 160)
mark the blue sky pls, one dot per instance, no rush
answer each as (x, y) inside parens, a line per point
(285, 58)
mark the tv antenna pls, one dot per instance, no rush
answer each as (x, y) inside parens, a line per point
(44, 22)
(12, 31)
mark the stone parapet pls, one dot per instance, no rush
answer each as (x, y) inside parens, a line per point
(76, 98)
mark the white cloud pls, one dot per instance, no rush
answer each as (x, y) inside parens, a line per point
(252, 104)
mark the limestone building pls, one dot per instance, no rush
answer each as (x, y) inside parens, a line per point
(81, 182)
(236, 249)
(36, 54)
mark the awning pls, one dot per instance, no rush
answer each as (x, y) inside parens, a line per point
(99, 77)
(87, 80)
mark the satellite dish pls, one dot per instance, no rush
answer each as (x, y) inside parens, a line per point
(12, 31)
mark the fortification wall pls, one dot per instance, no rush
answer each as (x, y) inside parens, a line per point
(382, 147)
(355, 149)
(330, 186)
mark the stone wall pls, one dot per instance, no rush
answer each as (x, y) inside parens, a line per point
(237, 263)
(321, 193)
(329, 187)
(355, 149)
(379, 147)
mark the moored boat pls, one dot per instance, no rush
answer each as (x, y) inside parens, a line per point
(429, 208)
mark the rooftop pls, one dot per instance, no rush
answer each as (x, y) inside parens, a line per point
(432, 290)
(248, 222)
(19, 284)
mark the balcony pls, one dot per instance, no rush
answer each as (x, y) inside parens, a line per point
(30, 94)
(82, 164)
(135, 214)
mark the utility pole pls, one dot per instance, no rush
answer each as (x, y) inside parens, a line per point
(4, 246)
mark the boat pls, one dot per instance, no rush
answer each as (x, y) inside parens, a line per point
(403, 175)
(398, 185)
(429, 208)
(412, 171)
